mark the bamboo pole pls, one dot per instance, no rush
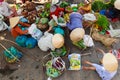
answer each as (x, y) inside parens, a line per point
(9, 52)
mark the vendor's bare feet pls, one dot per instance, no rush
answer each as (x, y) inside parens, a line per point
(50, 28)
(88, 68)
(84, 68)
(87, 62)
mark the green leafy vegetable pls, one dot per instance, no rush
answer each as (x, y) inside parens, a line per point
(98, 5)
(60, 52)
(64, 4)
(80, 44)
(102, 22)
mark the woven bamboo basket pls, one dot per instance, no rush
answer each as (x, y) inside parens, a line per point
(47, 58)
(5, 46)
(62, 52)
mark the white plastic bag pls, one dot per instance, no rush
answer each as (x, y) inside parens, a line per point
(88, 41)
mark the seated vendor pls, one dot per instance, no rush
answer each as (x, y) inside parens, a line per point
(18, 27)
(75, 21)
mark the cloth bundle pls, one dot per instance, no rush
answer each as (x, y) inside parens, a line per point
(75, 21)
(24, 41)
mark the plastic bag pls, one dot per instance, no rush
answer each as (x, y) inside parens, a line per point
(75, 61)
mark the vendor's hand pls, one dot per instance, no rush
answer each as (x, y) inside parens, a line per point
(101, 51)
(85, 62)
(50, 28)
(26, 32)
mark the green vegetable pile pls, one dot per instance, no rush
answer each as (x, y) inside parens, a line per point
(51, 71)
(98, 5)
(80, 4)
(102, 22)
(47, 6)
(64, 4)
(110, 4)
(80, 44)
(44, 14)
(60, 52)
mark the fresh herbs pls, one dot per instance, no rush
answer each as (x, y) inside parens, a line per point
(102, 22)
(80, 44)
(98, 5)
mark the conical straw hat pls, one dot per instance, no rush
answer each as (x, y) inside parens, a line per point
(58, 40)
(110, 62)
(117, 4)
(14, 21)
(77, 34)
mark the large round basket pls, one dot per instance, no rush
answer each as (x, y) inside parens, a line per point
(45, 59)
(5, 46)
(62, 52)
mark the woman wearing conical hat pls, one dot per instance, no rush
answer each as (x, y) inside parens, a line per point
(18, 27)
(108, 69)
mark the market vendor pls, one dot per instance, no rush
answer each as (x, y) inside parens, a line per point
(117, 4)
(77, 34)
(57, 24)
(117, 8)
(112, 12)
(75, 21)
(18, 27)
(107, 70)
(6, 11)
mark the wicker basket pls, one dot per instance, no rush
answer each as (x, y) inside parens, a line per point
(47, 58)
(3, 64)
(62, 52)
(88, 23)
(6, 46)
